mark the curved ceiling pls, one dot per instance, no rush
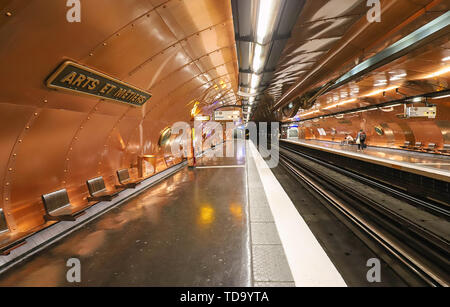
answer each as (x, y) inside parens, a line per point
(331, 37)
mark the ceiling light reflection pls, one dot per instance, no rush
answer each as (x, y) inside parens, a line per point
(267, 13)
(439, 73)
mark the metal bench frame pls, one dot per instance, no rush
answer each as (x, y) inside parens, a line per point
(3, 224)
(56, 205)
(125, 181)
(98, 191)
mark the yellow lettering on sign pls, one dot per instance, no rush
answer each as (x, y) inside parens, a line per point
(89, 80)
(119, 93)
(104, 89)
(93, 84)
(80, 79)
(69, 78)
(112, 87)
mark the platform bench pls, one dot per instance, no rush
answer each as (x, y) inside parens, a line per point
(418, 146)
(431, 147)
(445, 149)
(98, 191)
(125, 181)
(57, 206)
(3, 224)
(407, 145)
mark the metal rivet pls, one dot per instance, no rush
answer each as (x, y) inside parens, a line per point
(8, 14)
(104, 44)
(27, 127)
(10, 169)
(20, 141)
(6, 198)
(35, 114)
(91, 54)
(7, 183)
(14, 155)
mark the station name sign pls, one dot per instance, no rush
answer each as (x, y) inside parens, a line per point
(76, 78)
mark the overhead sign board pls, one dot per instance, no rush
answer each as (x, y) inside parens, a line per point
(227, 115)
(76, 78)
(429, 112)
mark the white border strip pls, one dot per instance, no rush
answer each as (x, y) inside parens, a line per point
(310, 265)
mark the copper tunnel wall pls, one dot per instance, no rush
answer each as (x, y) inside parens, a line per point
(176, 50)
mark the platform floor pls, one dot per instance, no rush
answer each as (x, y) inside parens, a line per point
(189, 230)
(422, 159)
(192, 229)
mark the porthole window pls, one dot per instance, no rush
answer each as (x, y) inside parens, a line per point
(164, 137)
(379, 130)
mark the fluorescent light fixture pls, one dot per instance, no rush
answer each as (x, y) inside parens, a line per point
(258, 62)
(310, 113)
(256, 79)
(267, 14)
(440, 97)
(340, 103)
(446, 59)
(417, 99)
(439, 73)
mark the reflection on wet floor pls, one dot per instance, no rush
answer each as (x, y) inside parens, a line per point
(186, 231)
(420, 159)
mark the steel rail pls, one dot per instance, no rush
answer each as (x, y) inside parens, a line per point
(394, 246)
(430, 207)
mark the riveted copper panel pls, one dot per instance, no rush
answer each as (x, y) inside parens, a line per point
(177, 50)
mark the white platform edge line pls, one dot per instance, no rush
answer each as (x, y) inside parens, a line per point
(310, 265)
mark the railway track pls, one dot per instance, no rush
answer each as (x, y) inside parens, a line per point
(421, 252)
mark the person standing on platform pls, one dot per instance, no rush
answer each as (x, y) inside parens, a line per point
(361, 140)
